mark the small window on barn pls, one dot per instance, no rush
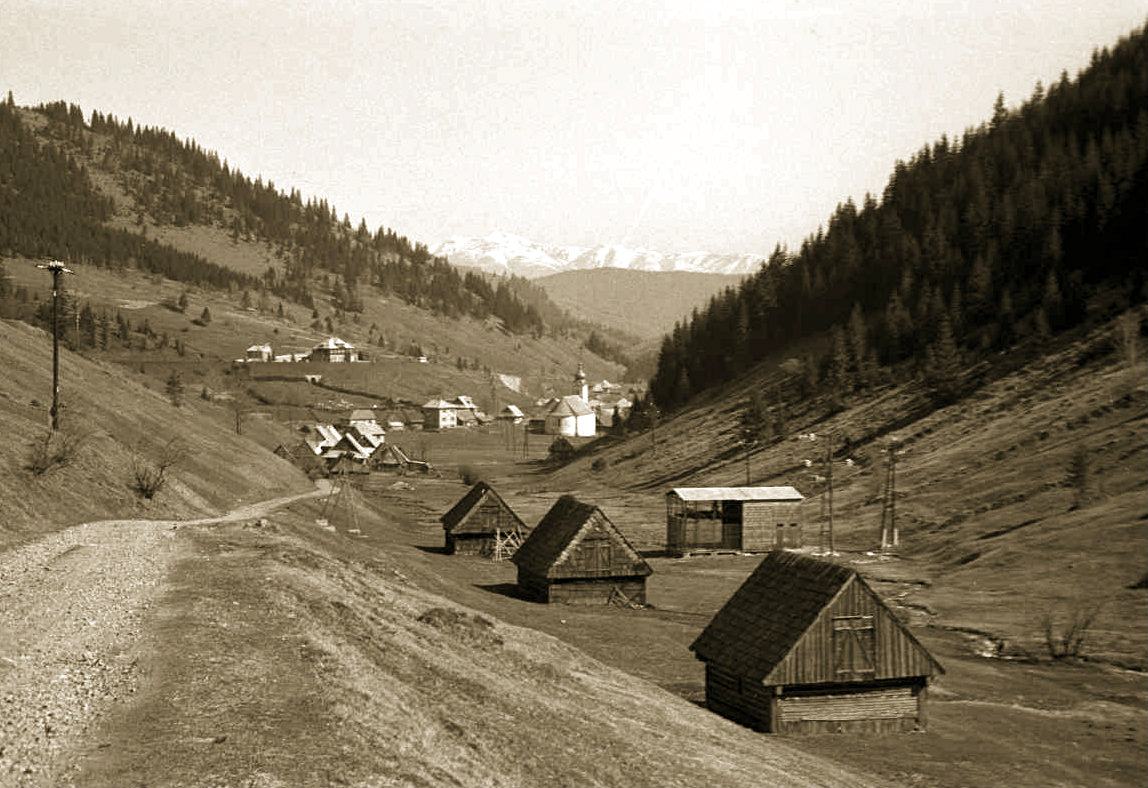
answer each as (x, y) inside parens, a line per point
(854, 647)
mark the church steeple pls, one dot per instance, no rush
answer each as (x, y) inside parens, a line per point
(580, 383)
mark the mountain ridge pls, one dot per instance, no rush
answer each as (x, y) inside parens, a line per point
(506, 253)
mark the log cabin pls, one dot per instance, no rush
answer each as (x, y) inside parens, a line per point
(576, 555)
(806, 646)
(744, 519)
(478, 520)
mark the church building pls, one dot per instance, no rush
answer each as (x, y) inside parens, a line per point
(572, 415)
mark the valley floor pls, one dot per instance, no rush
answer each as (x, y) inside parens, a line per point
(261, 649)
(281, 653)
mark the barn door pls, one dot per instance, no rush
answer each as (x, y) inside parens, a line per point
(854, 647)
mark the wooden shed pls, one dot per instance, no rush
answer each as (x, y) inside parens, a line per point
(478, 521)
(805, 646)
(577, 556)
(749, 519)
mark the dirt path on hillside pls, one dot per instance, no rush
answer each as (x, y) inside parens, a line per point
(70, 611)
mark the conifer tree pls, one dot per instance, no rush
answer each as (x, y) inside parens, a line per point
(174, 388)
(943, 365)
(840, 382)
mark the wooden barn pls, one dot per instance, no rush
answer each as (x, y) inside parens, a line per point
(576, 555)
(479, 520)
(748, 519)
(805, 646)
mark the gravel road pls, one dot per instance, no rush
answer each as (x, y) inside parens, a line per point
(72, 606)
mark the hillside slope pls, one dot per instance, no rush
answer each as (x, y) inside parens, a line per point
(643, 303)
(311, 659)
(140, 204)
(990, 523)
(115, 420)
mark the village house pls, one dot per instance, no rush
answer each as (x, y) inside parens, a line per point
(805, 646)
(439, 414)
(479, 522)
(366, 425)
(390, 457)
(335, 351)
(511, 413)
(576, 555)
(258, 353)
(394, 420)
(351, 447)
(324, 437)
(746, 519)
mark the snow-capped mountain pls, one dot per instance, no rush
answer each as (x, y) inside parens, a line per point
(503, 253)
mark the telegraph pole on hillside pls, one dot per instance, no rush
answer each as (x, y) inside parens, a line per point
(57, 269)
(827, 524)
(890, 536)
(825, 536)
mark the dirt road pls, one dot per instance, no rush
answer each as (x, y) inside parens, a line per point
(70, 611)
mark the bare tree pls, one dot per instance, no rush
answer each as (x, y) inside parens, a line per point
(1067, 641)
(53, 449)
(149, 477)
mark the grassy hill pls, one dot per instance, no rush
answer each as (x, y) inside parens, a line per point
(145, 218)
(463, 351)
(115, 420)
(993, 534)
(319, 659)
(643, 303)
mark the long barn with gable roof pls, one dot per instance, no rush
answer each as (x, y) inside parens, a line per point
(805, 646)
(577, 556)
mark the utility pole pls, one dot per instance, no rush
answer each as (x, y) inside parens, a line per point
(827, 524)
(890, 536)
(57, 269)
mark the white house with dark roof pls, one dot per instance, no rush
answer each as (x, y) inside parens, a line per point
(258, 353)
(438, 414)
(334, 350)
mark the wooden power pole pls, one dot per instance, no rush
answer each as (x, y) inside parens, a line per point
(890, 536)
(57, 270)
(829, 492)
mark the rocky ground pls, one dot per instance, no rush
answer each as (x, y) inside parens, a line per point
(71, 606)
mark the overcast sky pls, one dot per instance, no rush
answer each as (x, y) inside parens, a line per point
(677, 126)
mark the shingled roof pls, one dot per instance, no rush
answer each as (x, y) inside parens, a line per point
(570, 405)
(458, 513)
(561, 529)
(775, 607)
(766, 617)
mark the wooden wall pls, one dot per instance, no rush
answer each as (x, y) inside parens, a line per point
(870, 709)
(580, 592)
(814, 660)
(598, 554)
(702, 525)
(490, 515)
(760, 520)
(469, 544)
(741, 700)
(598, 592)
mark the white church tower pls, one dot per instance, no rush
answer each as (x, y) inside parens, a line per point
(580, 384)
